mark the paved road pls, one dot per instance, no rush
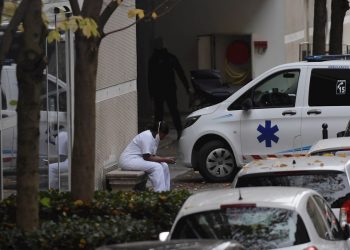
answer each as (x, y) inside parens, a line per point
(183, 177)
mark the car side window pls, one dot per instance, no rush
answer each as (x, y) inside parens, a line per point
(329, 87)
(279, 90)
(331, 220)
(276, 91)
(317, 220)
(51, 93)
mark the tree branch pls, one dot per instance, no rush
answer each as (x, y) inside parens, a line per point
(75, 7)
(11, 30)
(107, 13)
(121, 29)
(148, 16)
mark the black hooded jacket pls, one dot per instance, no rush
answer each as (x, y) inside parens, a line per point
(161, 73)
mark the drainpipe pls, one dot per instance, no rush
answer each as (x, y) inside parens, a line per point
(307, 23)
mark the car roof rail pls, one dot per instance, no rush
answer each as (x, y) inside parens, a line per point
(322, 58)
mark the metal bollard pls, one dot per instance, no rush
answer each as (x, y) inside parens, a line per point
(324, 131)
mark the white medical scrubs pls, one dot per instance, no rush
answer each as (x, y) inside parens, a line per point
(132, 159)
(57, 168)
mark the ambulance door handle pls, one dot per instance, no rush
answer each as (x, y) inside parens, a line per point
(314, 111)
(289, 112)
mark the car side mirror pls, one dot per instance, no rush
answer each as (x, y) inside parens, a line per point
(247, 104)
(163, 236)
(346, 230)
(343, 221)
(341, 134)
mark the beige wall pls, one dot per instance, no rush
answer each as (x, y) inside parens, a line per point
(116, 99)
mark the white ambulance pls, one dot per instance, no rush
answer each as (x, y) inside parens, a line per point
(280, 113)
(52, 89)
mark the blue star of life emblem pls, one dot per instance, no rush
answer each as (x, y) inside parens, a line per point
(267, 134)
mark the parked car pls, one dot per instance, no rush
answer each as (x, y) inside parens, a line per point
(279, 113)
(328, 175)
(334, 146)
(53, 102)
(261, 218)
(194, 244)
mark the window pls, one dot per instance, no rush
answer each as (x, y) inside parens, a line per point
(52, 95)
(329, 87)
(277, 91)
(331, 220)
(317, 220)
(271, 227)
(332, 185)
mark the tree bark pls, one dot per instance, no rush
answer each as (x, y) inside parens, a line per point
(339, 8)
(320, 20)
(83, 157)
(30, 66)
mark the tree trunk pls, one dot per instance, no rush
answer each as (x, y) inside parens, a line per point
(320, 20)
(339, 8)
(30, 65)
(83, 157)
(84, 143)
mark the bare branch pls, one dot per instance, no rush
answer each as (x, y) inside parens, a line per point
(121, 29)
(167, 9)
(107, 13)
(11, 30)
(75, 7)
(148, 16)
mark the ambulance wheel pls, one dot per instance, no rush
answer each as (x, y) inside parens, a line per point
(217, 162)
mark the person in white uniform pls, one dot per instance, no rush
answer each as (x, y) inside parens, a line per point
(140, 154)
(62, 166)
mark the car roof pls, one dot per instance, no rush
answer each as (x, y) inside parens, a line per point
(309, 163)
(320, 63)
(284, 197)
(330, 144)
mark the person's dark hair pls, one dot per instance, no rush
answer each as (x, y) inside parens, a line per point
(160, 126)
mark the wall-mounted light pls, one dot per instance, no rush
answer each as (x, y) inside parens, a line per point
(260, 46)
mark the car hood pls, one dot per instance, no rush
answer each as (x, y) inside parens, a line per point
(206, 110)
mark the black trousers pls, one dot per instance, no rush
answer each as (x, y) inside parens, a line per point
(171, 100)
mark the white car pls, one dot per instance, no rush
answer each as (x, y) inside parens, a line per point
(261, 218)
(195, 244)
(335, 146)
(328, 175)
(279, 113)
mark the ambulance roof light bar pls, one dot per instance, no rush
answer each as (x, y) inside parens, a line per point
(322, 58)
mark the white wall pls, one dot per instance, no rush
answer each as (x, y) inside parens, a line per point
(263, 19)
(116, 97)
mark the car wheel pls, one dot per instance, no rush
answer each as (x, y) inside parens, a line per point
(216, 162)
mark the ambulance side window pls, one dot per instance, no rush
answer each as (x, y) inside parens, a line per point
(329, 87)
(276, 91)
(51, 93)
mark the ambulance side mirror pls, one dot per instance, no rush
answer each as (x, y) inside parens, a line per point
(247, 104)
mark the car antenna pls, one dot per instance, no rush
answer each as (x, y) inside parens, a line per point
(240, 196)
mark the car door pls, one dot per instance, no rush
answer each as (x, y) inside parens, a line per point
(326, 102)
(272, 125)
(335, 238)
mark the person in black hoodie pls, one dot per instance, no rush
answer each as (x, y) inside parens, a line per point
(162, 85)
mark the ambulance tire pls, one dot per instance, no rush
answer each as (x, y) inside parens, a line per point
(216, 162)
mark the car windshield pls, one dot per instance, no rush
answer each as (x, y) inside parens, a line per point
(253, 227)
(332, 185)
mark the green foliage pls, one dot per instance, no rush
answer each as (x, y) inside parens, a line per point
(110, 218)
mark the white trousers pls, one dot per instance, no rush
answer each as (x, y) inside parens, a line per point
(157, 172)
(53, 173)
